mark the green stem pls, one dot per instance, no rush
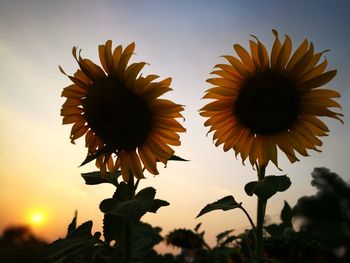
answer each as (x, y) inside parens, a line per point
(249, 218)
(260, 219)
(127, 226)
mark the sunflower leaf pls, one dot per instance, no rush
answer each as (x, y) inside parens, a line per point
(79, 246)
(133, 209)
(113, 227)
(105, 149)
(267, 187)
(226, 203)
(94, 178)
(156, 204)
(73, 225)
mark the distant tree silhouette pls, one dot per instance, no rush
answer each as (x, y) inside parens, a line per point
(19, 245)
(326, 215)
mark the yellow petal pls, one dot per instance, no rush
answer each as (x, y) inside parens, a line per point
(263, 55)
(302, 63)
(78, 132)
(116, 58)
(318, 81)
(226, 75)
(255, 53)
(72, 119)
(316, 122)
(222, 82)
(71, 111)
(135, 165)
(124, 165)
(125, 57)
(245, 57)
(238, 66)
(109, 57)
(230, 70)
(316, 71)
(101, 54)
(148, 159)
(132, 71)
(298, 54)
(284, 54)
(275, 49)
(321, 93)
(320, 102)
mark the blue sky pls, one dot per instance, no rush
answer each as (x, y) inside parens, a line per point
(180, 39)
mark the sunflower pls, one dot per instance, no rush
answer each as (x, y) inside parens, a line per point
(125, 123)
(262, 102)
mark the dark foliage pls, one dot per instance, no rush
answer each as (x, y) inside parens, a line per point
(19, 245)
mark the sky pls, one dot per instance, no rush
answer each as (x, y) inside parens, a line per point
(39, 170)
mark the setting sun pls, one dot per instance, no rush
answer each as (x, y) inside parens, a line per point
(37, 218)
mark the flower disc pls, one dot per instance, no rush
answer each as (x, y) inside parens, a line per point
(116, 115)
(267, 103)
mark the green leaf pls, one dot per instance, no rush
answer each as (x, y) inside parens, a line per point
(267, 187)
(226, 203)
(156, 204)
(94, 178)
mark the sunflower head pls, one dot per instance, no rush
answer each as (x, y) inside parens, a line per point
(125, 123)
(261, 101)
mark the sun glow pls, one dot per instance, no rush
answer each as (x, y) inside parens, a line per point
(37, 218)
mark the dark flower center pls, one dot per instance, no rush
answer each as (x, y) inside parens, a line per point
(267, 103)
(119, 117)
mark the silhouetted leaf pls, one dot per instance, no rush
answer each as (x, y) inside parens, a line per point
(197, 227)
(84, 230)
(122, 192)
(267, 187)
(286, 214)
(73, 225)
(226, 203)
(145, 237)
(113, 227)
(94, 178)
(228, 240)
(274, 230)
(156, 204)
(177, 158)
(222, 235)
(78, 246)
(132, 209)
(93, 156)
